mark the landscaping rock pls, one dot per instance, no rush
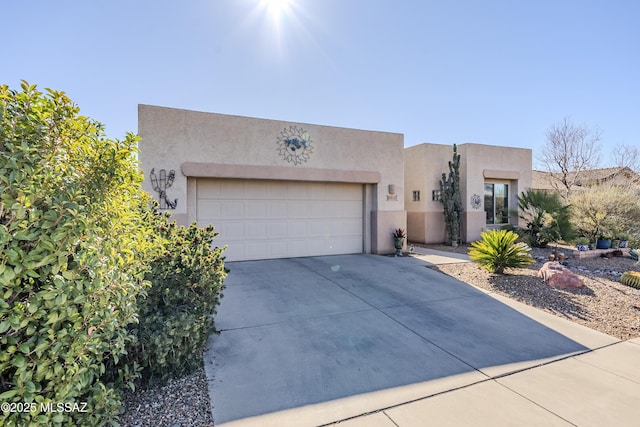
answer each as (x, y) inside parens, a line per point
(559, 277)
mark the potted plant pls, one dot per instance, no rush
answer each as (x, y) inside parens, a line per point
(398, 240)
(582, 244)
(624, 240)
(603, 242)
(615, 242)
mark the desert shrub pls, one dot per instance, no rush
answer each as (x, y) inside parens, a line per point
(73, 248)
(498, 249)
(176, 317)
(631, 278)
(547, 218)
(606, 210)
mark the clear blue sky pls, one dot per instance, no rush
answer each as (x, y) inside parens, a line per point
(489, 72)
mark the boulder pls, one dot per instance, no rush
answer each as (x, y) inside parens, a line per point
(559, 277)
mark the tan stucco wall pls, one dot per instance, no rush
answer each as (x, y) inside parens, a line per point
(173, 139)
(424, 165)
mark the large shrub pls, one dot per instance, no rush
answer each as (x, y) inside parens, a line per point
(547, 218)
(74, 251)
(176, 318)
(606, 210)
(498, 250)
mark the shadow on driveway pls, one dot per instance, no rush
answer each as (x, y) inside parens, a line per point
(303, 331)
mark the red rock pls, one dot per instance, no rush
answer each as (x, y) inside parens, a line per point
(559, 277)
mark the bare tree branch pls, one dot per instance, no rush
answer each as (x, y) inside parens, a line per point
(627, 156)
(569, 151)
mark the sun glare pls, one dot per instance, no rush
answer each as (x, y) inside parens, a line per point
(277, 8)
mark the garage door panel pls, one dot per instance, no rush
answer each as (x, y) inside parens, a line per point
(256, 209)
(277, 229)
(277, 209)
(257, 230)
(231, 208)
(210, 209)
(275, 219)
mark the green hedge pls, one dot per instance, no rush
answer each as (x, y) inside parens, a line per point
(176, 317)
(80, 249)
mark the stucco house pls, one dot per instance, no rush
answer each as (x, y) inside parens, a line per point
(491, 178)
(275, 189)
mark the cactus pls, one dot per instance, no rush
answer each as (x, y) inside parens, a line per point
(451, 199)
(631, 278)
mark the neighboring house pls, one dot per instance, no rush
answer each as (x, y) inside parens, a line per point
(275, 189)
(491, 178)
(623, 176)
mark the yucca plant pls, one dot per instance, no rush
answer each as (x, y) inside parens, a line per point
(631, 278)
(497, 250)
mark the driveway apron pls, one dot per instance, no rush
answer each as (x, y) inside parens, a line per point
(305, 331)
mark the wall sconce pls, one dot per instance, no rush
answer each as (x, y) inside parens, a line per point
(392, 193)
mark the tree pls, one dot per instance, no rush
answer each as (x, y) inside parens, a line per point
(570, 150)
(627, 156)
(451, 199)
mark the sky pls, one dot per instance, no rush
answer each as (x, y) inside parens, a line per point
(496, 72)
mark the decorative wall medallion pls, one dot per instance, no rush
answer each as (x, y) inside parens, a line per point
(295, 145)
(476, 201)
(160, 184)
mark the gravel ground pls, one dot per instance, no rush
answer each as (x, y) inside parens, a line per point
(603, 304)
(183, 402)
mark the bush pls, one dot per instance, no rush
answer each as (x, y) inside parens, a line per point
(631, 278)
(176, 317)
(498, 250)
(548, 219)
(74, 251)
(606, 210)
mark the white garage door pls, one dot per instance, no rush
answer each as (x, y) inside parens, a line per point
(281, 219)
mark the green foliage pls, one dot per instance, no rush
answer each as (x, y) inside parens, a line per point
(176, 318)
(498, 250)
(451, 198)
(548, 219)
(631, 278)
(606, 210)
(73, 248)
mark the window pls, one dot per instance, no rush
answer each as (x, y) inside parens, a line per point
(436, 195)
(496, 203)
(416, 196)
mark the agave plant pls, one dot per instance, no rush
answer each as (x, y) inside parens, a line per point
(497, 250)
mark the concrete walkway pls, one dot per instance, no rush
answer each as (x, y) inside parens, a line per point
(367, 340)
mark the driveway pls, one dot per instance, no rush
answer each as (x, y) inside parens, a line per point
(367, 331)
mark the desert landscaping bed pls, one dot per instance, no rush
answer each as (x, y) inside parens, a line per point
(603, 304)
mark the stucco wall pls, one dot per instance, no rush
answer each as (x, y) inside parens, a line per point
(424, 165)
(173, 137)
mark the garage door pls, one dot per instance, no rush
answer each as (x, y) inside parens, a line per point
(281, 219)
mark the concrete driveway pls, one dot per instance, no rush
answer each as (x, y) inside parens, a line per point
(325, 339)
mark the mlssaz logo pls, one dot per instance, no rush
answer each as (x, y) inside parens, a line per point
(295, 145)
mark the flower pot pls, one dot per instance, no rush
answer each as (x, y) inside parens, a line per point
(615, 243)
(603, 243)
(582, 247)
(623, 244)
(398, 243)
